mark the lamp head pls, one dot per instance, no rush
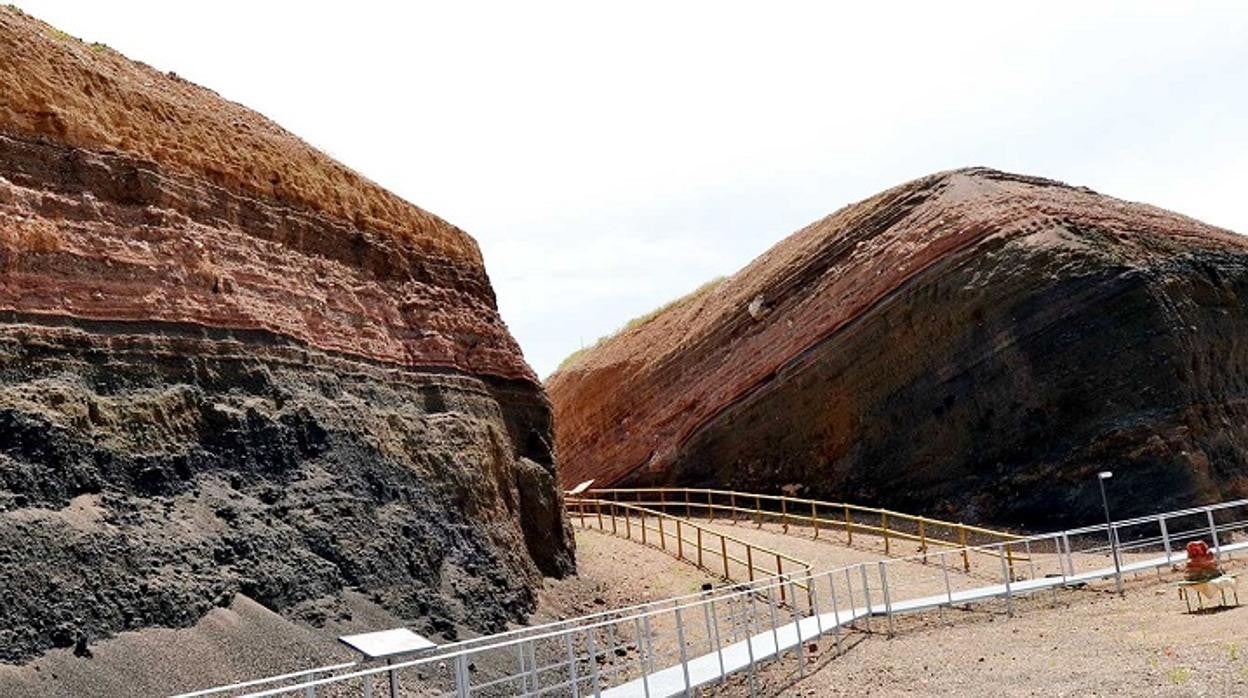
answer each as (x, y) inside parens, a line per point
(1105, 474)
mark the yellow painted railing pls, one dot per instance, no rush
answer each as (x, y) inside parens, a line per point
(719, 553)
(819, 515)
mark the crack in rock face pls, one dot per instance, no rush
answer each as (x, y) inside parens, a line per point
(974, 345)
(230, 365)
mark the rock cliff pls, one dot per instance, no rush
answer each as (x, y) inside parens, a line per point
(229, 364)
(972, 344)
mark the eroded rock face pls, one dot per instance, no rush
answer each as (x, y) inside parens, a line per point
(973, 344)
(229, 364)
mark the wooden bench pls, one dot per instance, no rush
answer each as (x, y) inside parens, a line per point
(1208, 589)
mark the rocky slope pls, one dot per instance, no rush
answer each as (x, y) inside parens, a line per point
(972, 344)
(230, 364)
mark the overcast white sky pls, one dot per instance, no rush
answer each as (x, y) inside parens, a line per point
(610, 157)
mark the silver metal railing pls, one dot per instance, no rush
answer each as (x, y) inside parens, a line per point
(671, 646)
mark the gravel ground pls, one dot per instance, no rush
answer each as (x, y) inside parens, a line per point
(1091, 643)
(246, 641)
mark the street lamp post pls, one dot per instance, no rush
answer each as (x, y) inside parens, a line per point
(1101, 477)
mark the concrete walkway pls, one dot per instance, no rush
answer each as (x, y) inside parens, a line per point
(711, 668)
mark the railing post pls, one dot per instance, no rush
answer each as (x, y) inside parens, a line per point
(849, 589)
(1070, 557)
(849, 528)
(1031, 563)
(1009, 554)
(771, 611)
(688, 506)
(611, 645)
(712, 628)
(866, 594)
(923, 539)
(462, 687)
(628, 524)
(1165, 536)
(662, 536)
(966, 558)
(888, 604)
(615, 531)
(592, 646)
(836, 610)
(784, 513)
(310, 691)
(645, 624)
(814, 519)
(749, 642)
(1009, 597)
(532, 649)
(641, 655)
(580, 509)
(723, 553)
(944, 566)
(710, 505)
(1213, 531)
(598, 510)
(699, 537)
(758, 511)
(732, 503)
(641, 514)
(575, 678)
(680, 542)
(812, 598)
(797, 626)
(684, 651)
(749, 560)
(884, 526)
(780, 573)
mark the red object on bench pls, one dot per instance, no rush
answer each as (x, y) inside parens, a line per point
(1202, 564)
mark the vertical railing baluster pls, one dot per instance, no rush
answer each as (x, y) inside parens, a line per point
(574, 676)
(836, 611)
(866, 594)
(888, 604)
(592, 646)
(684, 651)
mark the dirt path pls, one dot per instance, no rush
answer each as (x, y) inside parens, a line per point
(1092, 643)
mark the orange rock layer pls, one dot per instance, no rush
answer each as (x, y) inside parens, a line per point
(176, 205)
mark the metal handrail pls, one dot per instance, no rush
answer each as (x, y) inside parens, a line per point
(750, 562)
(875, 581)
(805, 510)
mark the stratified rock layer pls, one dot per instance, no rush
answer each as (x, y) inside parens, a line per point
(972, 344)
(229, 364)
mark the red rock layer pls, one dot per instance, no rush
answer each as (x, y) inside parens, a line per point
(173, 204)
(657, 402)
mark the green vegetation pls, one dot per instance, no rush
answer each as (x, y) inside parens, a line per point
(643, 319)
(1179, 675)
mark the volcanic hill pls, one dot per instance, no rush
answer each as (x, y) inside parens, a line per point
(972, 344)
(232, 366)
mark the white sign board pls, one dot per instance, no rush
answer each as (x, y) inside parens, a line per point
(387, 643)
(579, 488)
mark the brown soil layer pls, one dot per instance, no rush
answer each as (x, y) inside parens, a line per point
(89, 96)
